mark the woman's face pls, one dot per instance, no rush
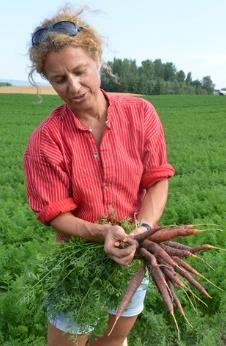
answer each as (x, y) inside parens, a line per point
(75, 77)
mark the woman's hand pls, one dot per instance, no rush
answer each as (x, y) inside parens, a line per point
(138, 230)
(121, 256)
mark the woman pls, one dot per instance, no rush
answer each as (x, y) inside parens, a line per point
(95, 155)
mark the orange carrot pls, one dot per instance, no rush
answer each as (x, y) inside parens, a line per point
(134, 283)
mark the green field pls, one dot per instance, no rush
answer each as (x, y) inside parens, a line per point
(195, 128)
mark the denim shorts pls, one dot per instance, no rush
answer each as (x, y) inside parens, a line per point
(67, 324)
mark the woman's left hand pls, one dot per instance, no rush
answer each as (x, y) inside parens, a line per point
(138, 230)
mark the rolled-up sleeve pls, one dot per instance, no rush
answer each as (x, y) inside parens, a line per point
(47, 183)
(156, 166)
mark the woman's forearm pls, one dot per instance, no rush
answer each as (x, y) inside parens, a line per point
(68, 224)
(154, 203)
(150, 212)
(108, 234)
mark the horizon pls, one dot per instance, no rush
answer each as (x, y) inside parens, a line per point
(190, 35)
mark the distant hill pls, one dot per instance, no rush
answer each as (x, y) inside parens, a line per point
(5, 84)
(16, 82)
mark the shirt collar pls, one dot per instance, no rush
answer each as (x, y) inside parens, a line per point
(82, 127)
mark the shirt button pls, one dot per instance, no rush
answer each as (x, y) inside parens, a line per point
(95, 154)
(105, 185)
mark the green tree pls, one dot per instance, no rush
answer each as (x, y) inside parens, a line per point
(146, 76)
(109, 81)
(169, 71)
(180, 76)
(158, 68)
(159, 87)
(152, 77)
(5, 84)
(207, 84)
(188, 78)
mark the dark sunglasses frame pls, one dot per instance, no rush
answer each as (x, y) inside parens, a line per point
(65, 27)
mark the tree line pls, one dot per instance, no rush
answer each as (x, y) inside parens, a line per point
(151, 77)
(5, 84)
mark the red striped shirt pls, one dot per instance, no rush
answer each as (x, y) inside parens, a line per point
(65, 170)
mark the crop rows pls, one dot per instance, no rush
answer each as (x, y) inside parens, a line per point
(195, 128)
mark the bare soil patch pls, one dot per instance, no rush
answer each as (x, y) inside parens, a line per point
(44, 90)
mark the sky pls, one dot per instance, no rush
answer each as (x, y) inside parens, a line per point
(189, 33)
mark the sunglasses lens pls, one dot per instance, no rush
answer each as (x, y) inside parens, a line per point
(65, 27)
(38, 36)
(68, 28)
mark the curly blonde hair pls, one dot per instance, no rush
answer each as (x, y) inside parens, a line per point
(87, 38)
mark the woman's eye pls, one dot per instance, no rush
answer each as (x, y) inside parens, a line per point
(80, 72)
(59, 81)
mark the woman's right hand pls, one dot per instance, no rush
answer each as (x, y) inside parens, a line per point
(121, 256)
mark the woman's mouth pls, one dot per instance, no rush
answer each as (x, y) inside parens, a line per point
(78, 98)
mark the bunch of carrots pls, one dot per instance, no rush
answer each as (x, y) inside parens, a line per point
(80, 278)
(162, 257)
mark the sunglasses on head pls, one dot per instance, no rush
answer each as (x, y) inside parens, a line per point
(65, 27)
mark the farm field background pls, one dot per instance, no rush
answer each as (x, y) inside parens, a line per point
(195, 128)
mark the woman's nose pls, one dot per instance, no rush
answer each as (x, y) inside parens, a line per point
(74, 84)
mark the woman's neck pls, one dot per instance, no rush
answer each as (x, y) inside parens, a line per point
(97, 112)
